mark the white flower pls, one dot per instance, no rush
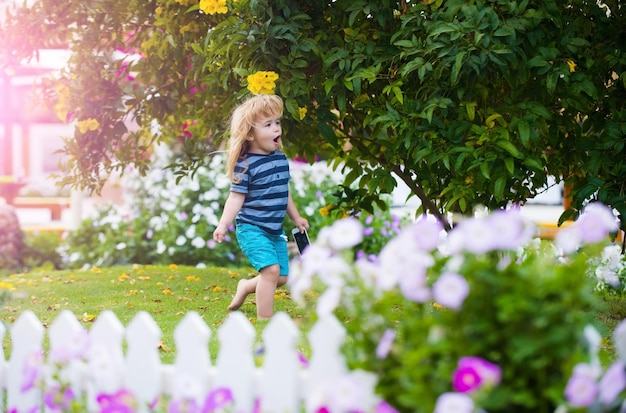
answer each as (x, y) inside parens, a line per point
(450, 290)
(161, 247)
(345, 233)
(198, 242)
(181, 240)
(120, 246)
(454, 403)
(568, 239)
(190, 232)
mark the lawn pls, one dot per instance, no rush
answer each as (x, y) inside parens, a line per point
(167, 293)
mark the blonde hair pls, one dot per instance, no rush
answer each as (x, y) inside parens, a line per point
(242, 121)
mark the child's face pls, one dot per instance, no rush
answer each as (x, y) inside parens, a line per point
(265, 135)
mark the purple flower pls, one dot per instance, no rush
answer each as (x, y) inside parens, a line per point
(384, 345)
(612, 383)
(303, 360)
(183, 406)
(58, 399)
(31, 370)
(368, 231)
(581, 388)
(596, 221)
(473, 373)
(450, 290)
(217, 399)
(120, 402)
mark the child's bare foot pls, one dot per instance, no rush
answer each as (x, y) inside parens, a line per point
(240, 296)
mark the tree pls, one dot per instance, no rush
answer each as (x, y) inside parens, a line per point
(468, 102)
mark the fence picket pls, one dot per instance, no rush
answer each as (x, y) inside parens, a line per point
(193, 360)
(96, 362)
(68, 345)
(26, 357)
(235, 363)
(280, 382)
(327, 363)
(143, 362)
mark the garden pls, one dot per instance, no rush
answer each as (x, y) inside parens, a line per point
(473, 105)
(500, 319)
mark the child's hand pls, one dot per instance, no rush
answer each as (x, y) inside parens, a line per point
(219, 233)
(301, 223)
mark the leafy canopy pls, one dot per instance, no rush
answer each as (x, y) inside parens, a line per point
(468, 102)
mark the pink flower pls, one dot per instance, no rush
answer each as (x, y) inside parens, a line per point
(217, 399)
(120, 402)
(474, 373)
(384, 407)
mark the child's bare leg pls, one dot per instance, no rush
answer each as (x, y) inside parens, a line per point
(244, 287)
(265, 290)
(247, 287)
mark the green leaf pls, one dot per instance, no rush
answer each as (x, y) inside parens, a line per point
(524, 132)
(498, 188)
(509, 164)
(509, 147)
(458, 63)
(327, 133)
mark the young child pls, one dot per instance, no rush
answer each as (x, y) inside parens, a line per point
(259, 198)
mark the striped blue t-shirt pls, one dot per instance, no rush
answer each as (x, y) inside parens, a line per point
(265, 181)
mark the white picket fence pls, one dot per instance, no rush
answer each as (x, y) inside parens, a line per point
(128, 358)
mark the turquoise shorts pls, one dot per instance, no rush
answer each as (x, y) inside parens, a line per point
(263, 249)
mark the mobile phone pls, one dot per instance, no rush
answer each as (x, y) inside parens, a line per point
(301, 238)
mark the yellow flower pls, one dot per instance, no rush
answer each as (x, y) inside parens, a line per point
(167, 291)
(217, 289)
(173, 266)
(262, 82)
(572, 65)
(6, 286)
(143, 278)
(302, 112)
(325, 210)
(192, 278)
(90, 124)
(158, 10)
(213, 6)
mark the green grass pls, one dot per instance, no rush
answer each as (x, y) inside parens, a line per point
(167, 293)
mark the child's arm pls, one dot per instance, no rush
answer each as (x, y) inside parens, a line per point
(300, 222)
(231, 209)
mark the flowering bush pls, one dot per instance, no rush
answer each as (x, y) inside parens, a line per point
(167, 221)
(484, 317)
(163, 220)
